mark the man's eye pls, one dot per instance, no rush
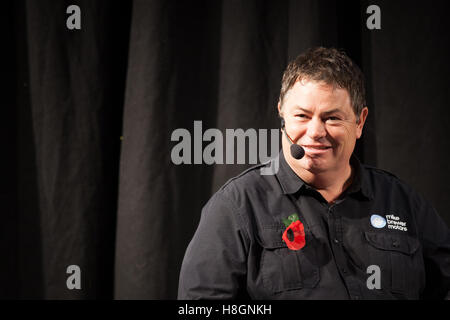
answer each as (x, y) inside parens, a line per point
(301, 116)
(333, 118)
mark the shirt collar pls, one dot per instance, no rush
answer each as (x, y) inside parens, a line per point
(291, 182)
(360, 182)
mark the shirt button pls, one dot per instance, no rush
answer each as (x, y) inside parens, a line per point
(344, 270)
(336, 241)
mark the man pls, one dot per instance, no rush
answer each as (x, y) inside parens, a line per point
(324, 226)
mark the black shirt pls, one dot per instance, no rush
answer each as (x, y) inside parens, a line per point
(238, 251)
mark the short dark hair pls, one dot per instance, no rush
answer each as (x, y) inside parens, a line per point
(331, 66)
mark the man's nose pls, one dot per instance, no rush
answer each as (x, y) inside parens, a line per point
(316, 129)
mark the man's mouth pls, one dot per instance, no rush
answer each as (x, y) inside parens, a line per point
(316, 147)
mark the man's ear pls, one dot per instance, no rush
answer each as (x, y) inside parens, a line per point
(280, 113)
(361, 120)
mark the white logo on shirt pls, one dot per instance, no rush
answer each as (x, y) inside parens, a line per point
(394, 222)
(377, 221)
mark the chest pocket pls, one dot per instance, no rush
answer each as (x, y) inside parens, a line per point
(283, 269)
(400, 262)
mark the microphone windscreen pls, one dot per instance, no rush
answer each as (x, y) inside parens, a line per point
(297, 152)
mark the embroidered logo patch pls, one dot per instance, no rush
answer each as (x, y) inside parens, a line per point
(395, 223)
(377, 221)
(391, 221)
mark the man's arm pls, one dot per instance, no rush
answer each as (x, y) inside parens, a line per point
(215, 262)
(435, 237)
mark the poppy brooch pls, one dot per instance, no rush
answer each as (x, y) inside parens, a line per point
(294, 235)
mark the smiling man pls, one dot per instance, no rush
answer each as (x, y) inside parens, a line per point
(324, 226)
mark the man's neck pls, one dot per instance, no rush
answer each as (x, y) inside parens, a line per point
(330, 184)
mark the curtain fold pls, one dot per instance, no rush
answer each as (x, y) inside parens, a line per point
(76, 82)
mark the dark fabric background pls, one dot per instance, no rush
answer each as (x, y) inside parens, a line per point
(87, 177)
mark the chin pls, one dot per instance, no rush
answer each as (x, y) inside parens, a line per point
(313, 165)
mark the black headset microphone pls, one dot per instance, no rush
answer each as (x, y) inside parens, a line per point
(297, 152)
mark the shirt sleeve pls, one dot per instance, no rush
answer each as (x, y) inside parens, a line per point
(215, 262)
(435, 237)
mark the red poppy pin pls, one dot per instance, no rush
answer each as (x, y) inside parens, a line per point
(294, 230)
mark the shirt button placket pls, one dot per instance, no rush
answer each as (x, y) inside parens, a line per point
(341, 261)
(333, 224)
(337, 233)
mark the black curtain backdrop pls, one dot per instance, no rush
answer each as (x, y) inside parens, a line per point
(87, 176)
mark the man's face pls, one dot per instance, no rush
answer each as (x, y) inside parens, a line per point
(320, 119)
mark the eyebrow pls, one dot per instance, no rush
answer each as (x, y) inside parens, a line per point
(335, 110)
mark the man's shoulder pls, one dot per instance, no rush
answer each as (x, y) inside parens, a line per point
(384, 180)
(379, 173)
(237, 197)
(247, 185)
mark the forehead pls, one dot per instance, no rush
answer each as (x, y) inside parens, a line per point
(313, 95)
